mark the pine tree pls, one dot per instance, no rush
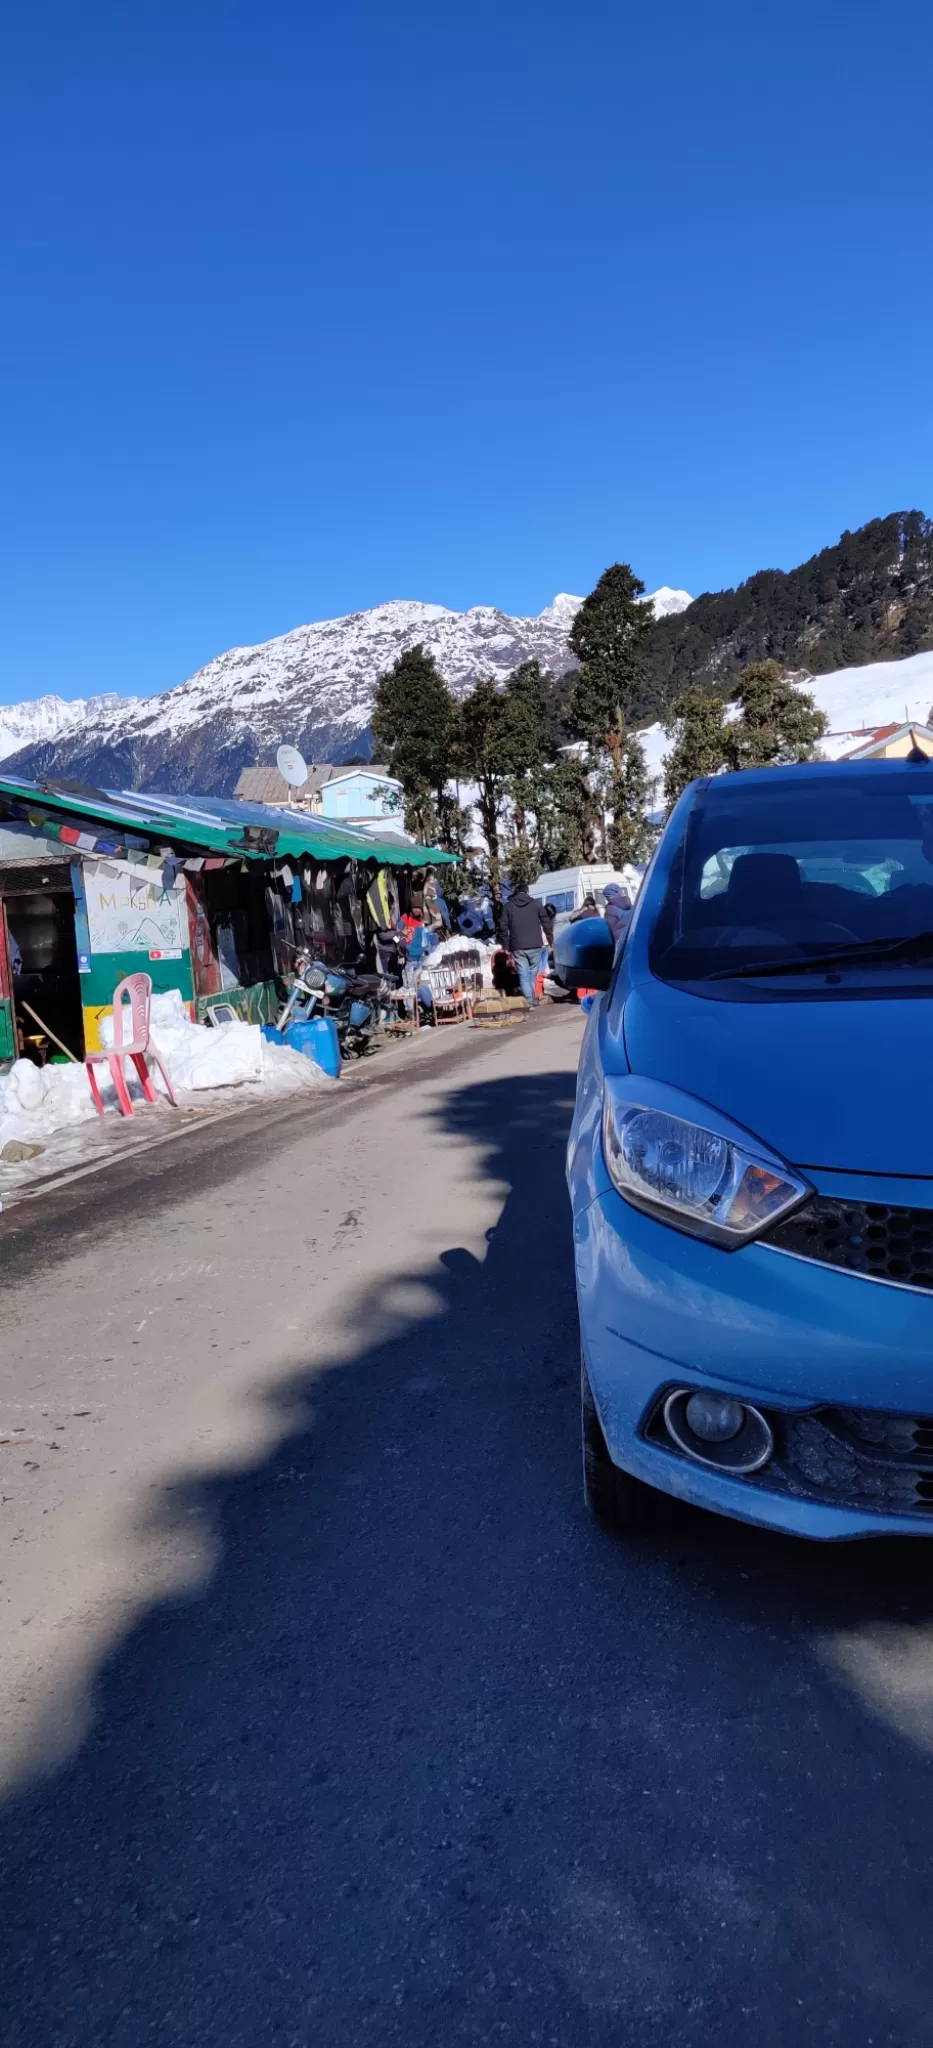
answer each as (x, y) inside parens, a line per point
(699, 733)
(530, 739)
(480, 757)
(779, 723)
(608, 636)
(414, 726)
(630, 837)
(568, 817)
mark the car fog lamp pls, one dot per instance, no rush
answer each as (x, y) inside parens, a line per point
(715, 1418)
(716, 1430)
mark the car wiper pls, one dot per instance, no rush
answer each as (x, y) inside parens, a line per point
(880, 950)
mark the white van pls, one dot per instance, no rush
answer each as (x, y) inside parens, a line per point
(567, 887)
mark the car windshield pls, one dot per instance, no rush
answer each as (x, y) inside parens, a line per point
(837, 871)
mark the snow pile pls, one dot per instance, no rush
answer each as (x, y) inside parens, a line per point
(34, 1101)
(233, 1055)
(198, 1055)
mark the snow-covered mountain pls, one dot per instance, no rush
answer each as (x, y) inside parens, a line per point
(313, 687)
(22, 725)
(667, 601)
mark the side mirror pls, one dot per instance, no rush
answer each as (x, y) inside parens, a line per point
(583, 954)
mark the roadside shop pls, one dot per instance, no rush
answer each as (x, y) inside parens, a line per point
(208, 896)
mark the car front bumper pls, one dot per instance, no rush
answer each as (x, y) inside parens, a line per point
(660, 1310)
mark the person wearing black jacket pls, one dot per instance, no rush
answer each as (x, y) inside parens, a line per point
(525, 929)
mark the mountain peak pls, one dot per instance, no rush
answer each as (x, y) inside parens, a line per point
(667, 601)
(562, 609)
(313, 687)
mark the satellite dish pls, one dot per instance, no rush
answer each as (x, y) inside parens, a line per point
(291, 767)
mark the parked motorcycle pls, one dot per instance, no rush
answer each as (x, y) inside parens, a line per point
(358, 1003)
(361, 1011)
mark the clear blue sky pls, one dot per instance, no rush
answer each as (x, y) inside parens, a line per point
(311, 305)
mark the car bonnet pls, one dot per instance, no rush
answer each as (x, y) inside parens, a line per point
(843, 1085)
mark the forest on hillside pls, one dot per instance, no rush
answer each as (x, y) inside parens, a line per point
(868, 598)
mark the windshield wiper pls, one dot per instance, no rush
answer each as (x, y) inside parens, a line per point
(880, 950)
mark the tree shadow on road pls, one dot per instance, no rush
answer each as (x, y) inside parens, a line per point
(431, 1760)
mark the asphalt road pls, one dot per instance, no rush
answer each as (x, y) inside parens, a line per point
(327, 1717)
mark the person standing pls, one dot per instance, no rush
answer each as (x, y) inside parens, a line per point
(525, 931)
(436, 913)
(618, 910)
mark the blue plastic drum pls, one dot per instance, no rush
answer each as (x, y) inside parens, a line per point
(318, 1041)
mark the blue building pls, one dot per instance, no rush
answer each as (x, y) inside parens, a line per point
(361, 796)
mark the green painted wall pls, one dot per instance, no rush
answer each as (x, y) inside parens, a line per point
(108, 969)
(259, 1004)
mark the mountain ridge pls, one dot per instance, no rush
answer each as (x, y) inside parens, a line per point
(866, 599)
(312, 686)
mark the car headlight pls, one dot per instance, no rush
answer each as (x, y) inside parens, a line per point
(694, 1177)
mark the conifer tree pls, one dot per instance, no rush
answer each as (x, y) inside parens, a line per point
(779, 723)
(414, 725)
(608, 636)
(698, 730)
(631, 837)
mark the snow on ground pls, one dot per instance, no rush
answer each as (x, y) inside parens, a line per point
(212, 1070)
(881, 693)
(854, 699)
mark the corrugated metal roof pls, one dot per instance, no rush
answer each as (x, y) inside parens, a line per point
(265, 785)
(214, 824)
(262, 786)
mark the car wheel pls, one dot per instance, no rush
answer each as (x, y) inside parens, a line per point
(614, 1498)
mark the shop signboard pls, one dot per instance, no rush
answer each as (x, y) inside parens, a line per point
(132, 910)
(129, 919)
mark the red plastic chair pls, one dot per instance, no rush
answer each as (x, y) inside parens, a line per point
(133, 995)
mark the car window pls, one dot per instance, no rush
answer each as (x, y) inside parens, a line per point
(794, 870)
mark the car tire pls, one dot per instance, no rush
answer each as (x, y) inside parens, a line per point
(615, 1499)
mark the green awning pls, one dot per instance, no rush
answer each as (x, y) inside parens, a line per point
(210, 825)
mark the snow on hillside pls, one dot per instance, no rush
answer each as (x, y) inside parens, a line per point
(854, 700)
(883, 693)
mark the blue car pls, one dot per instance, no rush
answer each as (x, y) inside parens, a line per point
(751, 1160)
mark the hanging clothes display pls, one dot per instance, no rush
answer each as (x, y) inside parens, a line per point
(379, 902)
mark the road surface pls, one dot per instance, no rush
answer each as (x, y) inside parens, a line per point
(327, 1717)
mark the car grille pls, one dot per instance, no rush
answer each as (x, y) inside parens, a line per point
(859, 1458)
(855, 1457)
(884, 1242)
